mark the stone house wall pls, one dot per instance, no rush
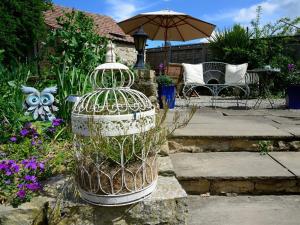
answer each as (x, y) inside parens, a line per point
(126, 53)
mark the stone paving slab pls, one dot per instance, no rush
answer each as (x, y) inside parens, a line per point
(227, 165)
(293, 129)
(233, 128)
(239, 123)
(291, 160)
(244, 210)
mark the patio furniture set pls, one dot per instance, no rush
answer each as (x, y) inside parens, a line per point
(220, 78)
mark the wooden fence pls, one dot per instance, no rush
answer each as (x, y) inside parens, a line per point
(194, 53)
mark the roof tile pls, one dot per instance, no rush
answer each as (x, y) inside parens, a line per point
(105, 25)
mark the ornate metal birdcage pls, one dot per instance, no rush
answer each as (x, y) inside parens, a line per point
(114, 138)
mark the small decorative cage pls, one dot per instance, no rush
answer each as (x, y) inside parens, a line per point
(114, 129)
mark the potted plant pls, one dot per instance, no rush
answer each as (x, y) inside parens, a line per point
(166, 91)
(293, 87)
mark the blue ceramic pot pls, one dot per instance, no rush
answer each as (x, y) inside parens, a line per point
(293, 96)
(167, 93)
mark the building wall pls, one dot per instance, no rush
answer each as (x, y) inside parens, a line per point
(126, 53)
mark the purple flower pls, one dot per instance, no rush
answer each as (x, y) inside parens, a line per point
(30, 178)
(33, 142)
(42, 166)
(35, 134)
(8, 173)
(11, 162)
(20, 186)
(40, 142)
(291, 67)
(56, 122)
(30, 164)
(21, 194)
(51, 129)
(24, 132)
(13, 139)
(3, 165)
(33, 186)
(15, 168)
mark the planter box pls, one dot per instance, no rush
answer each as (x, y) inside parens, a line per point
(293, 97)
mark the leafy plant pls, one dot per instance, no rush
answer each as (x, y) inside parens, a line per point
(71, 81)
(21, 26)
(292, 76)
(164, 80)
(19, 181)
(259, 46)
(231, 45)
(76, 43)
(264, 147)
(11, 101)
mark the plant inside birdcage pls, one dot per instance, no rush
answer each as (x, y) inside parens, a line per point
(119, 164)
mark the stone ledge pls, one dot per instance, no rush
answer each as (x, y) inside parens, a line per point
(165, 166)
(166, 205)
(251, 186)
(223, 144)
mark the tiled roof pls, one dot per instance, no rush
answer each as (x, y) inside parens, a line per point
(105, 25)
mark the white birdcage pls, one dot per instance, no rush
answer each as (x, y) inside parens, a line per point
(114, 138)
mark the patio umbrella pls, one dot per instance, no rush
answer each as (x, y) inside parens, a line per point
(167, 25)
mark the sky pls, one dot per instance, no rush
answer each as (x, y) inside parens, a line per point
(222, 13)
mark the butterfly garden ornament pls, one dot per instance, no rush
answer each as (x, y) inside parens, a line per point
(40, 104)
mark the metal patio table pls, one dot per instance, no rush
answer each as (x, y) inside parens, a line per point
(265, 77)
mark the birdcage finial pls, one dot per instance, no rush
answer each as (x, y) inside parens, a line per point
(110, 53)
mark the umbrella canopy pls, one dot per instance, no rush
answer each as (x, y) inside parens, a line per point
(167, 25)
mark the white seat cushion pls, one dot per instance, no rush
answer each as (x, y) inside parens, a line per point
(235, 74)
(193, 73)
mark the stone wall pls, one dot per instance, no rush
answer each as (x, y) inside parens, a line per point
(146, 83)
(62, 206)
(126, 53)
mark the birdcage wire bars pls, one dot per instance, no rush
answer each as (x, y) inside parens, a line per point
(115, 139)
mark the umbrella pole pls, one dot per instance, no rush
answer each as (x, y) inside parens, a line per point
(166, 51)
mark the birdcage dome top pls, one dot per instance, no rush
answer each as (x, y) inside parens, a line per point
(109, 101)
(112, 66)
(112, 103)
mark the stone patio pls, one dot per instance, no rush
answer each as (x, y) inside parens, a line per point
(245, 210)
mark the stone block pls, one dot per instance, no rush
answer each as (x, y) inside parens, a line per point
(229, 186)
(295, 145)
(164, 149)
(200, 186)
(274, 186)
(165, 166)
(24, 214)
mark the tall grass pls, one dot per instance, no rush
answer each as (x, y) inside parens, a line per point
(70, 82)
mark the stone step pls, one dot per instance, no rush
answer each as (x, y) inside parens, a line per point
(246, 210)
(219, 173)
(198, 144)
(235, 130)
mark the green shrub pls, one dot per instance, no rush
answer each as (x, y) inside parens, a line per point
(164, 80)
(76, 43)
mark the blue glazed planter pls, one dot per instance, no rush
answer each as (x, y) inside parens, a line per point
(293, 97)
(167, 94)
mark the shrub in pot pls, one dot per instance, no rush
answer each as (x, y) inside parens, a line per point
(166, 91)
(293, 88)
